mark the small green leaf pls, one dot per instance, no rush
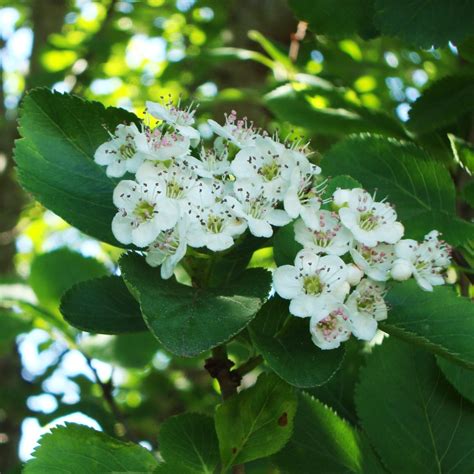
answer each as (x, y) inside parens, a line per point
(412, 416)
(189, 321)
(55, 272)
(321, 438)
(439, 321)
(103, 305)
(55, 158)
(420, 187)
(255, 423)
(189, 443)
(285, 343)
(285, 246)
(460, 378)
(76, 449)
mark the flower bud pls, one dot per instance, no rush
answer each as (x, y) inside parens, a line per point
(354, 274)
(401, 270)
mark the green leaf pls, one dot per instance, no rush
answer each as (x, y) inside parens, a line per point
(323, 439)
(255, 423)
(11, 325)
(442, 104)
(76, 449)
(425, 23)
(285, 343)
(412, 416)
(460, 378)
(189, 321)
(55, 272)
(440, 321)
(189, 443)
(55, 158)
(285, 246)
(421, 188)
(327, 17)
(103, 305)
(468, 193)
(339, 117)
(463, 153)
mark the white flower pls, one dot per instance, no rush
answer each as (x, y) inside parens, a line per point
(327, 235)
(214, 227)
(143, 213)
(369, 221)
(366, 306)
(180, 119)
(162, 146)
(168, 249)
(354, 274)
(177, 182)
(376, 261)
(122, 152)
(310, 282)
(304, 195)
(239, 132)
(257, 209)
(211, 163)
(426, 260)
(330, 325)
(401, 270)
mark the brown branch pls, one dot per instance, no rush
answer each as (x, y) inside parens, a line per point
(296, 38)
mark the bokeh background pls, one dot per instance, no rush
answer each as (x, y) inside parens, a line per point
(253, 56)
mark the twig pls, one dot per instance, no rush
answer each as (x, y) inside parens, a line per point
(248, 366)
(296, 38)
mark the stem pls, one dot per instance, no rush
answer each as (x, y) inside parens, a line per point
(248, 366)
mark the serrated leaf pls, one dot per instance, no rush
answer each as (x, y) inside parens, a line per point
(431, 427)
(442, 104)
(76, 449)
(460, 378)
(323, 439)
(425, 23)
(55, 158)
(285, 343)
(189, 321)
(55, 272)
(463, 153)
(439, 321)
(103, 305)
(255, 423)
(420, 187)
(189, 444)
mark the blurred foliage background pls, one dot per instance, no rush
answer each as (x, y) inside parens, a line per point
(253, 56)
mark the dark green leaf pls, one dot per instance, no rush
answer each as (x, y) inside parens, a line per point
(189, 321)
(76, 449)
(412, 416)
(285, 343)
(421, 188)
(440, 321)
(103, 305)
(323, 439)
(189, 443)
(257, 422)
(55, 158)
(285, 246)
(463, 153)
(460, 378)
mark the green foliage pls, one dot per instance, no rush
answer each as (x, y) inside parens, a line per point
(430, 425)
(77, 449)
(421, 188)
(440, 321)
(323, 440)
(285, 246)
(463, 153)
(102, 305)
(64, 177)
(286, 345)
(188, 444)
(255, 423)
(189, 321)
(11, 325)
(460, 378)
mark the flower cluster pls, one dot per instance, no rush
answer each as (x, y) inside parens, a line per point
(179, 193)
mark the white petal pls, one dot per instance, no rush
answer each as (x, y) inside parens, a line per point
(406, 249)
(122, 229)
(278, 218)
(286, 282)
(103, 156)
(158, 111)
(145, 234)
(304, 306)
(363, 326)
(394, 233)
(125, 195)
(116, 169)
(259, 227)
(219, 242)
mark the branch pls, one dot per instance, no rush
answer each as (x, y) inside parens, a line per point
(296, 38)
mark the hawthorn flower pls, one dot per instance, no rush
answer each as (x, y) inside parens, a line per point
(327, 235)
(123, 152)
(369, 221)
(211, 163)
(330, 325)
(214, 227)
(376, 262)
(180, 119)
(142, 213)
(168, 249)
(162, 146)
(310, 282)
(354, 274)
(239, 132)
(256, 208)
(426, 261)
(366, 306)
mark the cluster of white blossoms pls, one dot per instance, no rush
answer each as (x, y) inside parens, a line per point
(179, 193)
